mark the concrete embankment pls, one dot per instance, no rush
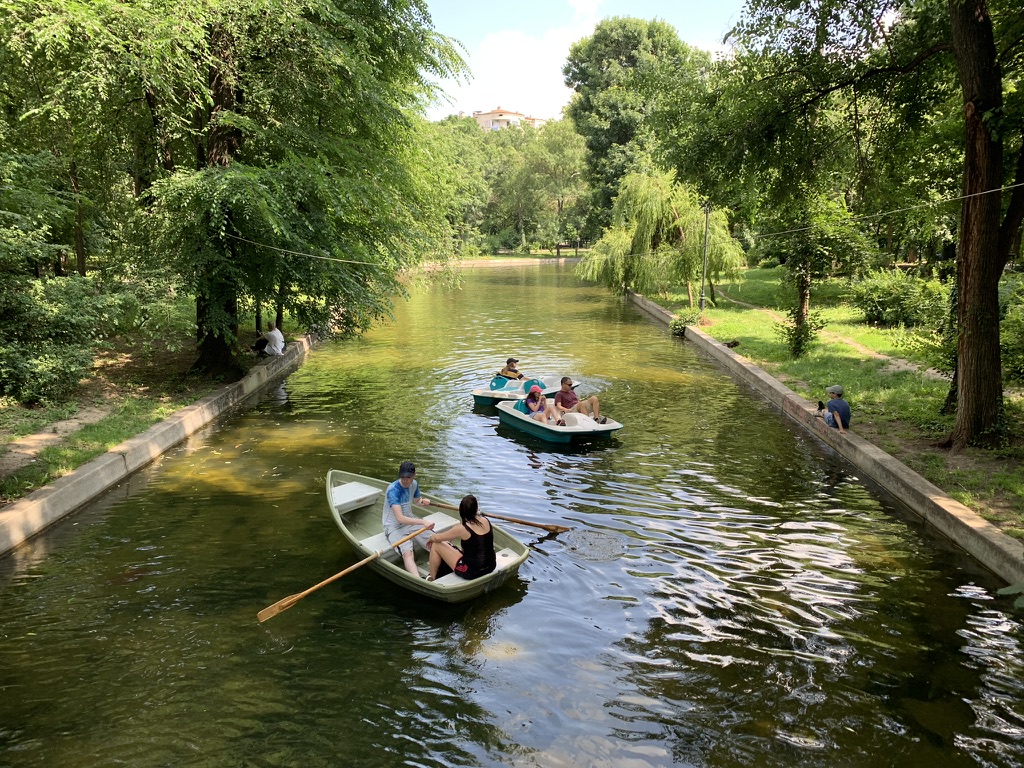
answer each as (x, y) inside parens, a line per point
(22, 519)
(1001, 554)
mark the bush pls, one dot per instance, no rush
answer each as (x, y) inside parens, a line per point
(687, 317)
(1011, 337)
(52, 326)
(41, 372)
(799, 338)
(893, 298)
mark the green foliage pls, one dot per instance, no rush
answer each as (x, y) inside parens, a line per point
(1014, 589)
(41, 372)
(1011, 336)
(615, 76)
(895, 297)
(684, 318)
(53, 326)
(664, 223)
(799, 336)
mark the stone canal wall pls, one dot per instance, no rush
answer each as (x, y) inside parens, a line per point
(22, 519)
(1001, 554)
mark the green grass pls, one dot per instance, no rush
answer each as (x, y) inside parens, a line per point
(18, 420)
(134, 415)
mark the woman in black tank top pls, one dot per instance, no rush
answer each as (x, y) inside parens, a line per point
(477, 554)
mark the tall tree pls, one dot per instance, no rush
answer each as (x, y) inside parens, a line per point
(271, 143)
(614, 75)
(792, 99)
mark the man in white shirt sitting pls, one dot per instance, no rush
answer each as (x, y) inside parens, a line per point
(270, 343)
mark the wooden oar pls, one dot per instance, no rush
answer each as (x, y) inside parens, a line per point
(545, 526)
(288, 602)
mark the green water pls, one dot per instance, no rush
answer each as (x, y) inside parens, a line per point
(731, 593)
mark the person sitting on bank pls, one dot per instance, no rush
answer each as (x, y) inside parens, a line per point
(476, 558)
(837, 412)
(270, 343)
(539, 409)
(510, 371)
(567, 401)
(398, 519)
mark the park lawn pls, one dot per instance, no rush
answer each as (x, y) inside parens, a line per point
(897, 409)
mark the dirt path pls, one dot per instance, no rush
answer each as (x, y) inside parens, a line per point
(24, 450)
(894, 364)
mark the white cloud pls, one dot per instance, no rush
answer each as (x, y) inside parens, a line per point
(520, 72)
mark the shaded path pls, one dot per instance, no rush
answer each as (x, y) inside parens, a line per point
(23, 451)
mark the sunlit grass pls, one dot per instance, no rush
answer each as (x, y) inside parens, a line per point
(133, 415)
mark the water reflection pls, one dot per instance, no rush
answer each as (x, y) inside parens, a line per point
(730, 594)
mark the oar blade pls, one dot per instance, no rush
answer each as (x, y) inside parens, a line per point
(281, 605)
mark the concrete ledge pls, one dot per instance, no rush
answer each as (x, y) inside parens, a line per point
(1001, 554)
(22, 519)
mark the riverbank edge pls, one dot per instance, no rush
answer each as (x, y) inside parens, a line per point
(999, 553)
(22, 519)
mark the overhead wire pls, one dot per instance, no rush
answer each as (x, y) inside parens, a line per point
(865, 217)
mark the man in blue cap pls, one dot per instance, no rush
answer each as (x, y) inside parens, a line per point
(398, 519)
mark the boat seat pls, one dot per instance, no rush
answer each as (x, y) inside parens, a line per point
(379, 541)
(352, 496)
(503, 558)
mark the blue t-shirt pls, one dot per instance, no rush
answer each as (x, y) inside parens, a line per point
(840, 407)
(398, 494)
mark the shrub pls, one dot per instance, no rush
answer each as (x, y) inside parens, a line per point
(42, 372)
(686, 317)
(1011, 337)
(893, 298)
(799, 338)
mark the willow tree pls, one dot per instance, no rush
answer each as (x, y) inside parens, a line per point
(656, 238)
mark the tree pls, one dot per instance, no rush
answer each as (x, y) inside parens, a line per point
(657, 237)
(556, 161)
(984, 240)
(271, 144)
(614, 75)
(783, 111)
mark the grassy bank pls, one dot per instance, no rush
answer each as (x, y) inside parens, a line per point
(131, 388)
(895, 405)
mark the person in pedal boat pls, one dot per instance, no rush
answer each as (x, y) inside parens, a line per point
(539, 408)
(398, 519)
(510, 371)
(567, 401)
(476, 557)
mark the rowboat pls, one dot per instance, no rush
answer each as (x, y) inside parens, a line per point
(356, 504)
(514, 389)
(578, 427)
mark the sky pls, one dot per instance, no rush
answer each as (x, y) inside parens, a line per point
(516, 49)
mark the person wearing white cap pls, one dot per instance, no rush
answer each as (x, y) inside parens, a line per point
(837, 412)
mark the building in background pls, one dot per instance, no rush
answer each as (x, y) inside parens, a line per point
(500, 118)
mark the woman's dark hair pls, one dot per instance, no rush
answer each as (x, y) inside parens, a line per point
(468, 508)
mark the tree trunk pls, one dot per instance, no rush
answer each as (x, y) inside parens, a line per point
(79, 220)
(979, 260)
(217, 295)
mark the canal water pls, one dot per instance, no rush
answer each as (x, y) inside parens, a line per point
(730, 594)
